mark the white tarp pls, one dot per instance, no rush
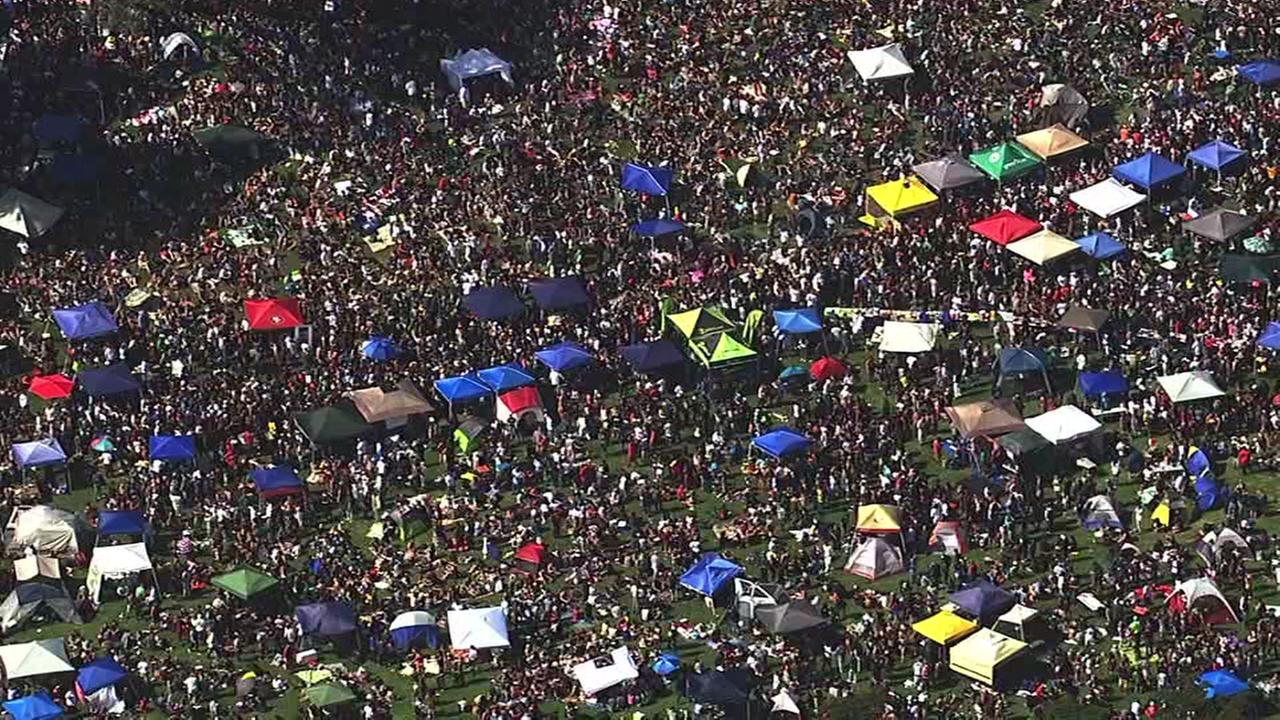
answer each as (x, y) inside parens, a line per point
(881, 63)
(26, 215)
(1043, 247)
(603, 673)
(1064, 424)
(42, 657)
(176, 40)
(1188, 386)
(1107, 198)
(46, 530)
(478, 628)
(906, 337)
(474, 63)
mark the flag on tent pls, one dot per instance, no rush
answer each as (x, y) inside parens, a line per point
(1148, 171)
(647, 179)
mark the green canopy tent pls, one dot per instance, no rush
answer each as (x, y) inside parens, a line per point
(722, 350)
(231, 143)
(1005, 161)
(701, 322)
(244, 583)
(327, 694)
(333, 424)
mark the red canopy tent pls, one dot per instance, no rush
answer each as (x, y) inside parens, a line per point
(273, 313)
(827, 367)
(1005, 227)
(52, 387)
(531, 556)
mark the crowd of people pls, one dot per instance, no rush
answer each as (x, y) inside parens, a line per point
(365, 146)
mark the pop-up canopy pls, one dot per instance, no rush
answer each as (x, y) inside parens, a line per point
(1260, 72)
(478, 628)
(781, 443)
(1101, 246)
(33, 707)
(878, 519)
(326, 619)
(1107, 382)
(38, 453)
(33, 659)
(1189, 386)
(599, 674)
(906, 337)
(1043, 247)
(647, 179)
(474, 63)
(800, 321)
(982, 600)
(1219, 224)
(102, 672)
(244, 582)
(83, 322)
(122, 522)
(558, 293)
(981, 654)
(110, 380)
(1064, 424)
(1148, 171)
(985, 418)
(493, 303)
(461, 388)
(335, 423)
(276, 480)
(651, 356)
(1107, 198)
(710, 573)
(880, 63)
(564, 356)
(945, 627)
(501, 378)
(172, 448)
(1051, 141)
(1215, 155)
(1005, 227)
(1005, 161)
(280, 313)
(25, 215)
(947, 173)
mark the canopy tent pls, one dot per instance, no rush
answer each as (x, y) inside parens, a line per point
(1062, 103)
(1064, 424)
(57, 129)
(231, 144)
(1204, 593)
(878, 519)
(478, 628)
(276, 480)
(1020, 362)
(1005, 227)
(87, 321)
(474, 63)
(1260, 72)
(985, 418)
(948, 173)
(565, 356)
(907, 337)
(826, 368)
(1083, 318)
(33, 659)
(33, 707)
(1107, 198)
(172, 448)
(719, 687)
(1148, 171)
(1043, 247)
(46, 530)
(1022, 442)
(244, 582)
(982, 600)
(281, 313)
(651, 356)
(51, 387)
(1098, 513)
(1221, 683)
(379, 348)
(326, 619)
(558, 293)
(327, 695)
(1219, 224)
(333, 424)
(800, 321)
(1107, 382)
(898, 197)
(1017, 620)
(945, 628)
(493, 303)
(415, 627)
(1189, 386)
(122, 522)
(950, 536)
(110, 380)
(790, 617)
(980, 655)
(701, 322)
(880, 63)
(468, 432)
(874, 559)
(377, 405)
(1269, 338)
(1215, 155)
(28, 598)
(709, 573)
(1101, 246)
(599, 674)
(461, 388)
(781, 443)
(114, 562)
(38, 453)
(102, 672)
(1051, 141)
(1248, 268)
(519, 404)
(657, 227)
(721, 349)
(647, 179)
(500, 378)
(25, 215)
(1005, 161)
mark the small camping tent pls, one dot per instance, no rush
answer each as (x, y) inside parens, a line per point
(1098, 513)
(1201, 595)
(950, 536)
(29, 598)
(874, 559)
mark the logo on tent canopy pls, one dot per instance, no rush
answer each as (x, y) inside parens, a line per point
(994, 157)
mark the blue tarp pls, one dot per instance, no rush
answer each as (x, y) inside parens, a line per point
(326, 619)
(276, 480)
(379, 348)
(38, 453)
(495, 303)
(102, 672)
(709, 574)
(666, 664)
(651, 356)
(1222, 683)
(33, 707)
(501, 378)
(799, 321)
(1270, 337)
(1261, 72)
(121, 522)
(172, 448)
(983, 600)
(657, 227)
(647, 178)
(558, 293)
(1107, 382)
(74, 169)
(1148, 171)
(781, 443)
(83, 322)
(110, 380)
(564, 356)
(1215, 155)
(461, 388)
(51, 128)
(1101, 246)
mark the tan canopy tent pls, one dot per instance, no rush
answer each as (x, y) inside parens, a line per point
(980, 655)
(1051, 141)
(985, 418)
(1043, 247)
(376, 405)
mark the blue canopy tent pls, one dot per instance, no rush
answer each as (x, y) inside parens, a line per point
(33, 707)
(460, 389)
(51, 128)
(326, 619)
(564, 356)
(1221, 683)
(495, 303)
(276, 480)
(1101, 246)
(1260, 72)
(651, 356)
(709, 574)
(782, 442)
(1107, 382)
(38, 453)
(800, 321)
(1149, 171)
(1018, 362)
(666, 664)
(122, 522)
(1215, 155)
(647, 179)
(1270, 337)
(84, 322)
(501, 378)
(558, 293)
(657, 227)
(983, 600)
(69, 169)
(110, 380)
(172, 448)
(379, 349)
(102, 672)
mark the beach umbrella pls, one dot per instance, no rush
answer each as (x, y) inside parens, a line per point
(103, 444)
(379, 348)
(791, 372)
(827, 368)
(51, 387)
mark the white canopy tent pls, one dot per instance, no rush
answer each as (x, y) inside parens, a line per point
(1043, 247)
(32, 659)
(1064, 424)
(114, 562)
(478, 628)
(602, 673)
(474, 63)
(1107, 198)
(881, 63)
(25, 215)
(907, 337)
(1188, 386)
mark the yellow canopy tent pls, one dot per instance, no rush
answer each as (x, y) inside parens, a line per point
(896, 197)
(879, 519)
(1052, 141)
(981, 654)
(945, 627)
